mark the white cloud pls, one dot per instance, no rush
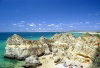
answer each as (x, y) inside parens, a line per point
(40, 24)
(54, 26)
(71, 26)
(87, 22)
(19, 25)
(39, 28)
(32, 25)
(51, 25)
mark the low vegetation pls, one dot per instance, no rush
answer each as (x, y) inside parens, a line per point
(97, 35)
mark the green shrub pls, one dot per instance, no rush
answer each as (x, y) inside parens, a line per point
(87, 33)
(97, 35)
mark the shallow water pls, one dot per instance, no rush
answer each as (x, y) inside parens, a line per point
(11, 63)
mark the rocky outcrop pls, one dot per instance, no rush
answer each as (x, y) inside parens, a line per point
(61, 51)
(15, 40)
(63, 38)
(83, 50)
(20, 48)
(63, 41)
(32, 62)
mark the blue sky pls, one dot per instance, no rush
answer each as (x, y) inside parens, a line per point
(49, 15)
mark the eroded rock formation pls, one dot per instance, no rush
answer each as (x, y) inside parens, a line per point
(32, 62)
(84, 50)
(61, 51)
(20, 48)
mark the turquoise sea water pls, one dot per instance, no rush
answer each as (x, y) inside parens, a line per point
(11, 63)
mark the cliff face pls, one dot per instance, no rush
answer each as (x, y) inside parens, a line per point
(85, 49)
(64, 50)
(63, 41)
(19, 48)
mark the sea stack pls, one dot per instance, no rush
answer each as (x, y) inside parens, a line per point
(20, 48)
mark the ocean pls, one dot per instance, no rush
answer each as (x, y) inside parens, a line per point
(12, 63)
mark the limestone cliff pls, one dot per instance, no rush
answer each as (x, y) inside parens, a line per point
(63, 41)
(20, 48)
(84, 50)
(61, 51)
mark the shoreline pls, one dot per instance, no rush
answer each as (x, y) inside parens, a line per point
(88, 32)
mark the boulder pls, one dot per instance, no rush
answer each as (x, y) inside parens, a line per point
(32, 62)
